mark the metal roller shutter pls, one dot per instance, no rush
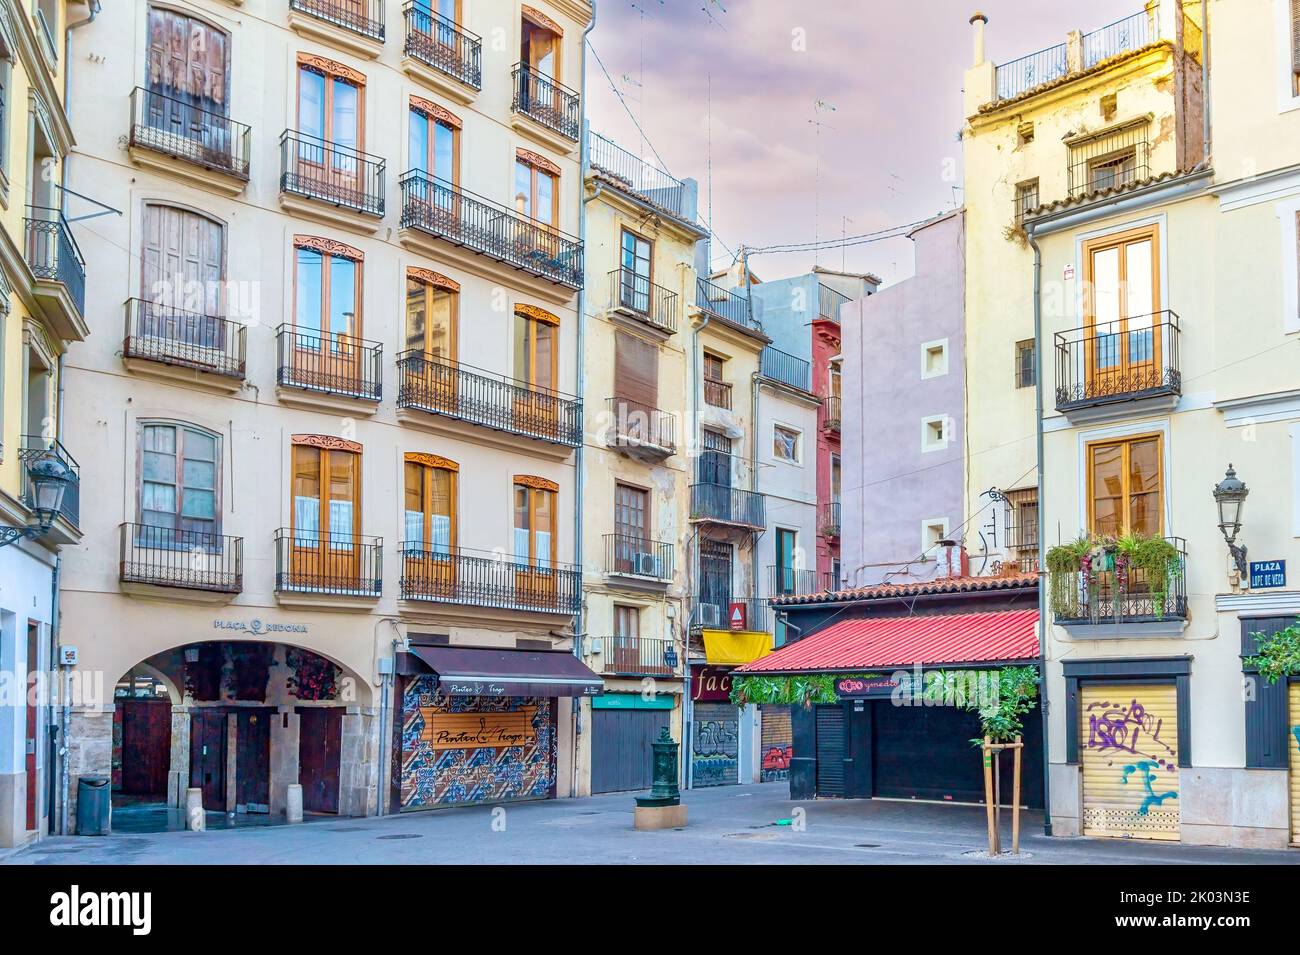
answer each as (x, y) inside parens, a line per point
(830, 751)
(621, 757)
(715, 745)
(1128, 748)
(1293, 747)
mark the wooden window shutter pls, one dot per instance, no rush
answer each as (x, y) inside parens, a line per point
(1295, 36)
(636, 370)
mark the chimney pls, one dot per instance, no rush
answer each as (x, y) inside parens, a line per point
(977, 21)
(953, 560)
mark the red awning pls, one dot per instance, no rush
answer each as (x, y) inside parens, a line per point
(875, 642)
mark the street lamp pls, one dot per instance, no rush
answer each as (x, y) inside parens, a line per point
(49, 478)
(1230, 495)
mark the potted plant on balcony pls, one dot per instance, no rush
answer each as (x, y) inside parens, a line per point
(1152, 560)
(1063, 562)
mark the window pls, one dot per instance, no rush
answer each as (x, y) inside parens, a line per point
(1126, 486)
(632, 552)
(534, 524)
(536, 194)
(6, 107)
(636, 387)
(1026, 199)
(1026, 367)
(786, 542)
(1295, 47)
(430, 504)
(1113, 171)
(539, 47)
(330, 128)
(1124, 344)
(717, 392)
(934, 358)
(178, 482)
(327, 314)
(934, 433)
(431, 313)
(836, 379)
(835, 478)
(326, 495)
(188, 72)
(47, 15)
(715, 458)
(434, 142)
(1022, 522)
(785, 444)
(635, 273)
(536, 351)
(1108, 159)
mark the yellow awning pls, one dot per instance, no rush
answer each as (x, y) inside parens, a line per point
(735, 647)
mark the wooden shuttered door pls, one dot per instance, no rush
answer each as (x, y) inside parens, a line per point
(1293, 747)
(636, 370)
(1295, 37)
(182, 251)
(187, 60)
(1128, 749)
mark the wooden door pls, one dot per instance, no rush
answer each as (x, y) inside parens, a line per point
(1122, 302)
(253, 760)
(146, 746)
(182, 278)
(329, 119)
(536, 410)
(535, 546)
(326, 518)
(631, 529)
(627, 640)
(431, 317)
(635, 276)
(187, 69)
(326, 351)
(208, 756)
(429, 535)
(636, 388)
(320, 737)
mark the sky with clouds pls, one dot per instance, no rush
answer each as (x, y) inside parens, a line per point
(728, 91)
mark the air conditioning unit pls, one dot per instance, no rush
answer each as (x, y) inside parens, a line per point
(710, 615)
(647, 565)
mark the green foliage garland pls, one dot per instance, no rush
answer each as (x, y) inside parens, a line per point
(1278, 656)
(1017, 691)
(805, 690)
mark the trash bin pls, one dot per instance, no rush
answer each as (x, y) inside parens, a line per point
(94, 806)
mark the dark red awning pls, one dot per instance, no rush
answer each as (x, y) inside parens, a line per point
(874, 642)
(474, 671)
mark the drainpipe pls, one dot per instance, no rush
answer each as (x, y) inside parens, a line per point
(1042, 534)
(1205, 80)
(688, 706)
(579, 618)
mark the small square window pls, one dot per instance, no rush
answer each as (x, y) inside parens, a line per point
(933, 530)
(1026, 199)
(1026, 366)
(934, 358)
(785, 444)
(934, 433)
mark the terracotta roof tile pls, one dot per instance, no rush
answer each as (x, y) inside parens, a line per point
(940, 585)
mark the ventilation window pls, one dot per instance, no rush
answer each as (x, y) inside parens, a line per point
(1026, 133)
(934, 433)
(934, 358)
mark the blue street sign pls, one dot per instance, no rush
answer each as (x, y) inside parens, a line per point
(1267, 573)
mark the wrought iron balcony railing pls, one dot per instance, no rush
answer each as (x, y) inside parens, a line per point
(174, 336)
(636, 656)
(445, 211)
(1022, 75)
(831, 410)
(365, 17)
(173, 127)
(32, 448)
(1131, 33)
(728, 305)
(336, 364)
(1121, 360)
(346, 565)
(636, 294)
(712, 611)
(547, 101)
(638, 557)
(791, 581)
(717, 393)
(1122, 596)
(639, 427)
(480, 579)
(723, 504)
(1109, 160)
(170, 557)
(829, 301)
(438, 42)
(331, 172)
(438, 386)
(52, 253)
(635, 175)
(828, 518)
(786, 368)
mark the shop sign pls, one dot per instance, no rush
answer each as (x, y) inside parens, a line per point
(256, 627)
(710, 685)
(866, 684)
(1267, 573)
(496, 730)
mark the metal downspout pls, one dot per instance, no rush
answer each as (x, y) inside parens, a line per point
(1042, 535)
(688, 706)
(1205, 81)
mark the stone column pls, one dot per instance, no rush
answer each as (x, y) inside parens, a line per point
(284, 757)
(178, 770)
(90, 750)
(232, 751)
(358, 762)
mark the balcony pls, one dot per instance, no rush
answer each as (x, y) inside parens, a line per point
(779, 366)
(1113, 596)
(549, 104)
(829, 301)
(629, 556)
(723, 504)
(634, 175)
(149, 557)
(437, 51)
(717, 393)
(190, 343)
(488, 580)
(330, 181)
(310, 563)
(831, 413)
(790, 581)
(328, 370)
(213, 149)
(713, 612)
(31, 449)
(1119, 368)
(726, 305)
(636, 656)
(454, 390)
(354, 25)
(639, 430)
(59, 272)
(828, 519)
(637, 297)
(444, 211)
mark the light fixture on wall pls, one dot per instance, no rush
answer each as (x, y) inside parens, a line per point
(49, 478)
(1230, 495)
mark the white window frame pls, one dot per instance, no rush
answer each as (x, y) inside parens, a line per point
(1287, 210)
(927, 444)
(798, 443)
(926, 347)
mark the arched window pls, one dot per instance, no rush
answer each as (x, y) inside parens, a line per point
(429, 523)
(178, 484)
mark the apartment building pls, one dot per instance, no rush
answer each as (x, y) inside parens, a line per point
(332, 403)
(641, 240)
(42, 312)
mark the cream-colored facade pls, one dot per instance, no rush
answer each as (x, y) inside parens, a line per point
(371, 223)
(41, 282)
(1166, 318)
(640, 246)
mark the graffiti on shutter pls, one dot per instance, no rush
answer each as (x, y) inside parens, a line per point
(1293, 747)
(1129, 752)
